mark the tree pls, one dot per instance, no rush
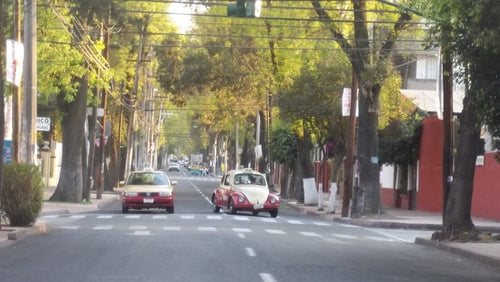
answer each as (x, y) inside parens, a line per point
(467, 32)
(370, 62)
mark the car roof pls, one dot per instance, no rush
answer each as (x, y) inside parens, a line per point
(244, 170)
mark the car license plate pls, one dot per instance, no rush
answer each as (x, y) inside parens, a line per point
(148, 201)
(258, 206)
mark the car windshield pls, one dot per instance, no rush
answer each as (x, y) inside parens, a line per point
(147, 178)
(248, 178)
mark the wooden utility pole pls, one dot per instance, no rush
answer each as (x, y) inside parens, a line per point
(349, 159)
(28, 120)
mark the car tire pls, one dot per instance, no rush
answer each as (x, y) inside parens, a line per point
(170, 209)
(255, 213)
(124, 209)
(214, 203)
(232, 209)
(274, 213)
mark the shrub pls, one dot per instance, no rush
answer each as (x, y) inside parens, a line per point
(22, 193)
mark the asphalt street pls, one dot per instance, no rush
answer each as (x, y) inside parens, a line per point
(195, 244)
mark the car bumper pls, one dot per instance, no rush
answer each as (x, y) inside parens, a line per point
(251, 207)
(145, 202)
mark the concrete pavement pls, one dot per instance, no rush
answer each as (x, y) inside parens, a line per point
(488, 253)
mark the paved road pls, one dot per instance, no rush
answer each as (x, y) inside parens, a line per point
(194, 244)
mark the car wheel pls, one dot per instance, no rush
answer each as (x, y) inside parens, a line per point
(274, 213)
(124, 209)
(255, 213)
(232, 209)
(170, 209)
(214, 203)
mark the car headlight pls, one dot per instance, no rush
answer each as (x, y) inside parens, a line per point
(273, 199)
(165, 194)
(130, 194)
(241, 198)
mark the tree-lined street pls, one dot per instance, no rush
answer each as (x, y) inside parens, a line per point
(194, 244)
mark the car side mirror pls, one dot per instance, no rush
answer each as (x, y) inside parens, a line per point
(174, 182)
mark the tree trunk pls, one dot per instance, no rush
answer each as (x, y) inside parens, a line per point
(368, 193)
(70, 185)
(457, 218)
(303, 165)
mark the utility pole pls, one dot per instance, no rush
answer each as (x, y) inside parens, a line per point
(16, 95)
(349, 159)
(28, 121)
(447, 129)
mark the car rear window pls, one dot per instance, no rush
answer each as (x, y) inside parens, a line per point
(147, 178)
(248, 178)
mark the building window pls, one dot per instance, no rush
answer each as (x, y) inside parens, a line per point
(427, 68)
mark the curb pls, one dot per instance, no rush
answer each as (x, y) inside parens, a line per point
(457, 251)
(21, 233)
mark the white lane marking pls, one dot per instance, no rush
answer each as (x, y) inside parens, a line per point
(214, 217)
(133, 216)
(77, 216)
(69, 227)
(310, 234)
(241, 235)
(104, 216)
(268, 220)
(322, 223)
(267, 277)
(379, 239)
(349, 226)
(273, 231)
(242, 230)
(295, 221)
(187, 216)
(386, 234)
(159, 217)
(172, 228)
(138, 227)
(242, 218)
(344, 236)
(208, 228)
(250, 252)
(141, 233)
(103, 227)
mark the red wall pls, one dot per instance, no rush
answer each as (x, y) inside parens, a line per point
(486, 194)
(430, 191)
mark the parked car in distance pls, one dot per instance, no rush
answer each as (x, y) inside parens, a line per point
(173, 166)
(148, 189)
(245, 190)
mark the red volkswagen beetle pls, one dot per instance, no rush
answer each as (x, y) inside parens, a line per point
(245, 190)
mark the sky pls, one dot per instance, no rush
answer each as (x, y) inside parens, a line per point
(183, 21)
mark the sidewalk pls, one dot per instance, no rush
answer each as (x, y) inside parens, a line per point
(9, 234)
(488, 253)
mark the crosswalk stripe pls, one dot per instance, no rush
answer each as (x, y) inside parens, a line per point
(103, 227)
(69, 227)
(295, 221)
(242, 230)
(273, 231)
(172, 228)
(104, 216)
(310, 234)
(138, 227)
(159, 217)
(210, 229)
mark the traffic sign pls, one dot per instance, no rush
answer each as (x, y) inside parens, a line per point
(42, 124)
